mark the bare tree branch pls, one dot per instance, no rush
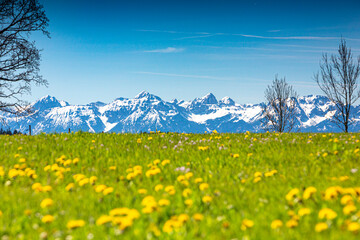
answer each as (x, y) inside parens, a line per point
(19, 57)
(279, 114)
(338, 79)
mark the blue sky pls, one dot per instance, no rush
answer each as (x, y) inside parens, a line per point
(101, 50)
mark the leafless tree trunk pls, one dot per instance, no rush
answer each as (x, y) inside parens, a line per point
(338, 79)
(19, 57)
(279, 113)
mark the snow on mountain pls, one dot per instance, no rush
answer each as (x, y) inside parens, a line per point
(147, 112)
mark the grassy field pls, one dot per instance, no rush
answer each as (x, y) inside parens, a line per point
(180, 186)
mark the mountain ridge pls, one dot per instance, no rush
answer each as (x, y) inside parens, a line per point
(147, 112)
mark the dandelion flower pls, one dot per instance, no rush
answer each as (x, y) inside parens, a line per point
(198, 217)
(75, 224)
(47, 219)
(327, 213)
(47, 202)
(276, 224)
(319, 227)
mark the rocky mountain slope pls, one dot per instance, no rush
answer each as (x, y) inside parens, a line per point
(147, 112)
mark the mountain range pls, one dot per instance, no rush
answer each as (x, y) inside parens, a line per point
(147, 112)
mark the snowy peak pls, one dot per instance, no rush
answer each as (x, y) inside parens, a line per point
(227, 101)
(209, 99)
(48, 102)
(147, 96)
(147, 112)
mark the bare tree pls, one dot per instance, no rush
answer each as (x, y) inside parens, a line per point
(279, 113)
(19, 57)
(338, 79)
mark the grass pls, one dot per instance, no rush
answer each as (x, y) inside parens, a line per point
(247, 179)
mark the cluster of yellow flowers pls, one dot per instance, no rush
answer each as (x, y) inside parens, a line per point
(347, 196)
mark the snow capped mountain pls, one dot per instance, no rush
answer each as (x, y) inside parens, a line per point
(147, 112)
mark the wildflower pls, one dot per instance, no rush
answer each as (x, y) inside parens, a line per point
(348, 209)
(133, 214)
(47, 202)
(138, 140)
(186, 193)
(236, 155)
(291, 223)
(347, 199)
(112, 168)
(75, 224)
(108, 190)
(353, 227)
(304, 211)
(180, 178)
(47, 189)
(198, 180)
(142, 191)
(257, 179)
(203, 186)
(119, 211)
(100, 188)
(309, 192)
(189, 175)
(47, 219)
(165, 162)
(159, 187)
(207, 199)
(327, 213)
(125, 222)
(292, 194)
(246, 223)
(92, 180)
(257, 174)
(276, 224)
(188, 202)
(37, 187)
(103, 220)
(164, 202)
(331, 193)
(170, 189)
(84, 181)
(198, 217)
(13, 173)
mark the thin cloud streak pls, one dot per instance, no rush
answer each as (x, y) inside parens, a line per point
(207, 34)
(165, 50)
(186, 76)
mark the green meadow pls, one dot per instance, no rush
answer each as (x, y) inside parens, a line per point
(180, 186)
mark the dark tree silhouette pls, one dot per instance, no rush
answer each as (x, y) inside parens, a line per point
(279, 111)
(338, 79)
(19, 57)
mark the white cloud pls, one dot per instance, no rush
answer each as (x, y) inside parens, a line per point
(166, 50)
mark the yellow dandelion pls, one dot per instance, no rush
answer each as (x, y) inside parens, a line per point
(47, 202)
(198, 217)
(47, 219)
(276, 224)
(203, 186)
(304, 211)
(207, 199)
(327, 213)
(108, 190)
(164, 202)
(309, 191)
(103, 220)
(75, 224)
